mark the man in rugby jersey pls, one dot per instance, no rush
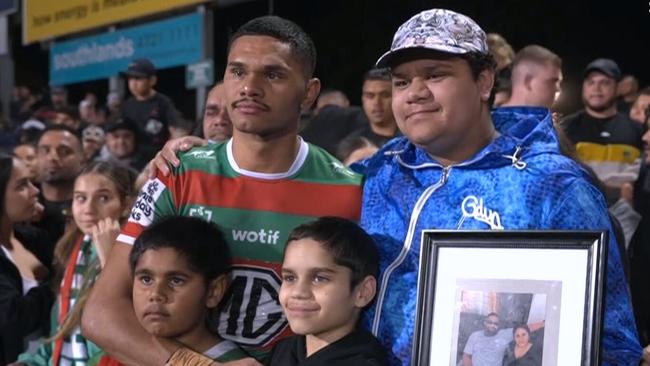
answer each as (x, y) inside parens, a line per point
(257, 187)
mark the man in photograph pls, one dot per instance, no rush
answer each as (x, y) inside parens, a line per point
(486, 347)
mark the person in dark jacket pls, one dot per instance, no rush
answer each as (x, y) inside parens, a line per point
(329, 274)
(25, 258)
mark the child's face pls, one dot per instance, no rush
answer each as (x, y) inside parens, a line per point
(315, 293)
(95, 198)
(169, 299)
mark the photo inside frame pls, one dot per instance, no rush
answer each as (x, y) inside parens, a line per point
(490, 311)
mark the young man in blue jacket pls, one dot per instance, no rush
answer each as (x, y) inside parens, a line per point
(457, 162)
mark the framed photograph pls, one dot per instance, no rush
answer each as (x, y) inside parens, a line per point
(510, 297)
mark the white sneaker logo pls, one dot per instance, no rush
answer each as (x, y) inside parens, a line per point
(474, 207)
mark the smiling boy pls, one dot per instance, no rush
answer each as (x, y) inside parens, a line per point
(329, 274)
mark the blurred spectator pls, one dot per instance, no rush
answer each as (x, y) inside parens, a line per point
(640, 246)
(27, 154)
(331, 97)
(60, 159)
(25, 264)
(355, 148)
(536, 77)
(22, 105)
(639, 111)
(113, 106)
(89, 112)
(216, 124)
(58, 97)
(608, 141)
(626, 90)
(121, 145)
(500, 49)
(92, 139)
(68, 116)
(151, 111)
(376, 98)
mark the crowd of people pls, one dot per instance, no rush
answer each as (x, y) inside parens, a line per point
(285, 228)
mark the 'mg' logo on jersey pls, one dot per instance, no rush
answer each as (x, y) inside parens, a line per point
(253, 315)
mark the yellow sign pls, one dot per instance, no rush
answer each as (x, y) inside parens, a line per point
(44, 19)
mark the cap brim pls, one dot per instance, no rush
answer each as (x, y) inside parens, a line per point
(602, 71)
(134, 74)
(388, 58)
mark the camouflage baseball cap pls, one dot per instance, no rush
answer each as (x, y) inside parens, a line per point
(439, 30)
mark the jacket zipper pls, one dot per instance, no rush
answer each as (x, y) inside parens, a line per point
(419, 204)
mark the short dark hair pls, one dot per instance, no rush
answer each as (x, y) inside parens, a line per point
(61, 128)
(381, 74)
(284, 31)
(492, 314)
(349, 245)
(198, 241)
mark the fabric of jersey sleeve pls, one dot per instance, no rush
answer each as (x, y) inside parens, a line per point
(583, 207)
(154, 201)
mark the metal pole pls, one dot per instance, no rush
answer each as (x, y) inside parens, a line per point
(116, 83)
(6, 65)
(207, 53)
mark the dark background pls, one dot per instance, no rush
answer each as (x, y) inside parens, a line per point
(351, 34)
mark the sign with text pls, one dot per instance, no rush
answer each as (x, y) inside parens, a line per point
(171, 42)
(199, 74)
(45, 19)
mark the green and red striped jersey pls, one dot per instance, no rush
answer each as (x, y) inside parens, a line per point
(256, 213)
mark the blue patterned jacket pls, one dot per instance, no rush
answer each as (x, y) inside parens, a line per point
(522, 177)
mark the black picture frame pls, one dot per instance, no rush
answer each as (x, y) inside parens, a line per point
(577, 260)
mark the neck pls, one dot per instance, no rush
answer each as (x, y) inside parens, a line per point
(200, 339)
(316, 342)
(449, 153)
(57, 192)
(145, 96)
(516, 100)
(606, 113)
(257, 154)
(384, 129)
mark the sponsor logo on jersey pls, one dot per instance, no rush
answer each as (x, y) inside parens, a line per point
(202, 212)
(262, 236)
(143, 209)
(474, 208)
(338, 167)
(252, 315)
(201, 154)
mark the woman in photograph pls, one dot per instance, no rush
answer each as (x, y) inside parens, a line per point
(521, 351)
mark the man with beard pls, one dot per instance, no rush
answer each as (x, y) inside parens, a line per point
(60, 158)
(486, 347)
(608, 141)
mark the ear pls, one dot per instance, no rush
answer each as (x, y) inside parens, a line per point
(528, 82)
(313, 89)
(365, 291)
(485, 83)
(154, 80)
(216, 290)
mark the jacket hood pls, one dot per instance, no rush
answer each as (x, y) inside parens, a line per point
(525, 132)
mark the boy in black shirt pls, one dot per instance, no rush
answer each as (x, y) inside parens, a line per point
(329, 274)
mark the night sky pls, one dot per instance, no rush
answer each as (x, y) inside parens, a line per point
(351, 34)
